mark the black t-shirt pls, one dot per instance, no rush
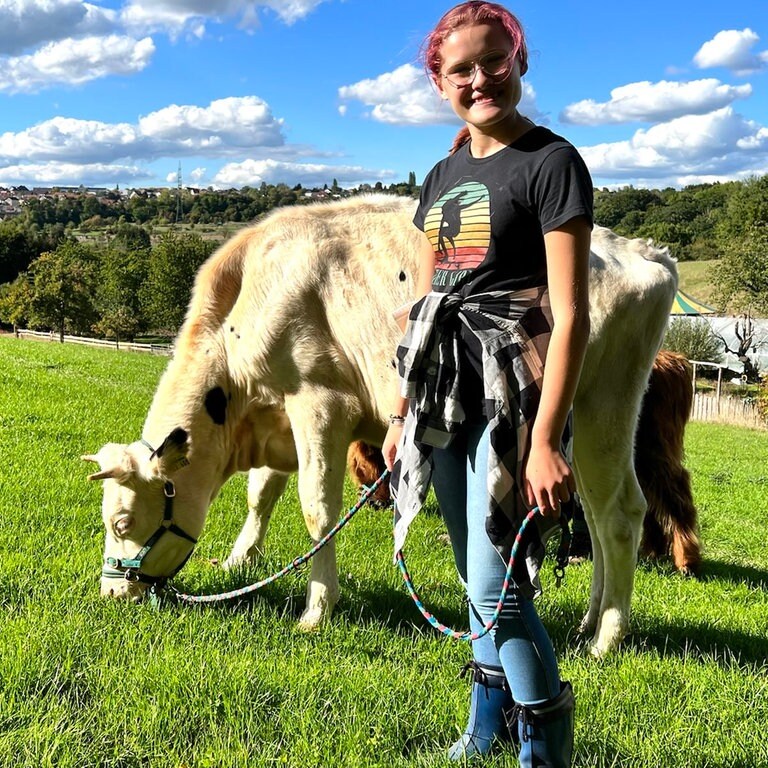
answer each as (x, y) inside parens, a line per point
(486, 219)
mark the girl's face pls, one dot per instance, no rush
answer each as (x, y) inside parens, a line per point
(479, 52)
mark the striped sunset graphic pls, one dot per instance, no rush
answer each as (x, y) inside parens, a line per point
(458, 226)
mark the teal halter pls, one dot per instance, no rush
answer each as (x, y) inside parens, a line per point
(130, 568)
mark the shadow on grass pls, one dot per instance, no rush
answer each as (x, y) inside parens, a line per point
(376, 603)
(702, 639)
(687, 637)
(717, 570)
(394, 609)
(379, 603)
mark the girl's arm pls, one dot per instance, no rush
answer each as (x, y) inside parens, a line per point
(399, 403)
(547, 478)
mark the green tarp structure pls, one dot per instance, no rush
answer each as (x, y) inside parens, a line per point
(687, 305)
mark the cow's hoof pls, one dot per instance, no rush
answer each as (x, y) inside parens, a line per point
(233, 562)
(311, 620)
(596, 652)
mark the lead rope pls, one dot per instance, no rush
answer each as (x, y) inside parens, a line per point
(493, 621)
(562, 559)
(292, 566)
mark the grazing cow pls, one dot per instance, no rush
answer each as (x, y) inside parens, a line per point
(670, 523)
(285, 358)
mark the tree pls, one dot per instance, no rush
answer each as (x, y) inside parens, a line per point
(16, 301)
(172, 267)
(744, 330)
(16, 251)
(117, 322)
(612, 207)
(746, 210)
(63, 286)
(693, 338)
(122, 272)
(741, 275)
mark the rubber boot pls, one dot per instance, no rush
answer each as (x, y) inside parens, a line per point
(489, 702)
(545, 730)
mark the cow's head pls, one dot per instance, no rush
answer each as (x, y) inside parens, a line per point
(140, 507)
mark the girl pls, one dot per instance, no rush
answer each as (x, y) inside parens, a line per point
(503, 279)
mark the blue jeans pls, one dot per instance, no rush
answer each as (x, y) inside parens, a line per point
(519, 643)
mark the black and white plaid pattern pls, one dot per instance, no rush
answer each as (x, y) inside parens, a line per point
(513, 331)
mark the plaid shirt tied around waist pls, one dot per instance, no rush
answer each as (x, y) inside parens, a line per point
(513, 331)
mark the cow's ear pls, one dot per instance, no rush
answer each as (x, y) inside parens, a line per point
(115, 462)
(171, 455)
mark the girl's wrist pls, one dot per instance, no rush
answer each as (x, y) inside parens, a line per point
(396, 420)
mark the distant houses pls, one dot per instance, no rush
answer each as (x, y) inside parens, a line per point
(13, 199)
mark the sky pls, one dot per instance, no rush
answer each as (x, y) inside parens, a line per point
(239, 92)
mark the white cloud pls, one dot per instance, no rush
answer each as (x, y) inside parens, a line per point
(232, 123)
(405, 96)
(70, 174)
(253, 172)
(732, 49)
(291, 10)
(57, 150)
(75, 61)
(30, 23)
(721, 144)
(177, 16)
(226, 127)
(654, 102)
(401, 97)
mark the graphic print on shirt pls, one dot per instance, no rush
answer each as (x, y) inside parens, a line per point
(459, 227)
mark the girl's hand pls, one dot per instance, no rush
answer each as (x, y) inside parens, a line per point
(547, 479)
(391, 441)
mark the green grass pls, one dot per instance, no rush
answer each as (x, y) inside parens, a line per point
(87, 683)
(696, 279)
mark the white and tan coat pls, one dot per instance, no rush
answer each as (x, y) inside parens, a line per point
(285, 357)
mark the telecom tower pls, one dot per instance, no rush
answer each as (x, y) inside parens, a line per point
(179, 213)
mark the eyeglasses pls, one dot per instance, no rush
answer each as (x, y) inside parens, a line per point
(495, 66)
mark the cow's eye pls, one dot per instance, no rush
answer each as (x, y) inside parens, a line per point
(123, 525)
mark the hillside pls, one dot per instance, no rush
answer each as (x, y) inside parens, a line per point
(695, 279)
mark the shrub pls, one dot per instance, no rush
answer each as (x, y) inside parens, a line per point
(693, 338)
(762, 399)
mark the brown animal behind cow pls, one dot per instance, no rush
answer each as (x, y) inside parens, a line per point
(670, 526)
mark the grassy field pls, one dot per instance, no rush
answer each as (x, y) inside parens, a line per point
(696, 279)
(87, 683)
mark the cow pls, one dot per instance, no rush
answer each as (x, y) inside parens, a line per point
(670, 524)
(285, 357)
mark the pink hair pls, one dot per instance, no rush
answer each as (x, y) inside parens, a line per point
(466, 15)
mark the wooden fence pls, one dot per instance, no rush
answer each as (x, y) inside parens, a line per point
(128, 346)
(726, 409)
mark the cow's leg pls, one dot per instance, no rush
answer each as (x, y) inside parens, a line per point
(620, 540)
(589, 622)
(321, 432)
(616, 507)
(265, 486)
